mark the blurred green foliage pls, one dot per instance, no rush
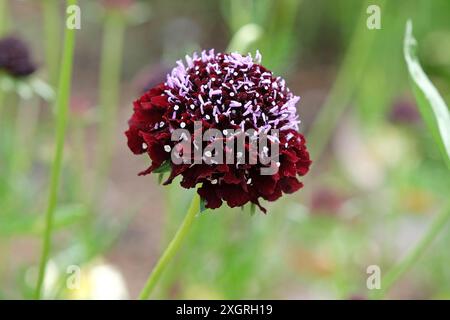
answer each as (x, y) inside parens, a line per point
(376, 182)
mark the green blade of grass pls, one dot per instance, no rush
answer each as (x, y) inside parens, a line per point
(3, 17)
(62, 107)
(431, 105)
(52, 42)
(436, 115)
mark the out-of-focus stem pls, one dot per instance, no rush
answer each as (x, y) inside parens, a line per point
(26, 119)
(346, 83)
(415, 253)
(52, 25)
(172, 249)
(3, 28)
(2, 101)
(110, 69)
(4, 19)
(62, 106)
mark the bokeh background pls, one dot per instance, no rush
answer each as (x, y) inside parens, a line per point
(376, 182)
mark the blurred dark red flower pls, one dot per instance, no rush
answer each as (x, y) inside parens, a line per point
(15, 57)
(404, 112)
(225, 92)
(325, 200)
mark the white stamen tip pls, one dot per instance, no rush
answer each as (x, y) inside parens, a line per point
(214, 181)
(167, 148)
(208, 154)
(144, 145)
(182, 125)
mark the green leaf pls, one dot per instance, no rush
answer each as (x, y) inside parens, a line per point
(252, 209)
(431, 105)
(42, 89)
(65, 216)
(202, 205)
(165, 167)
(160, 178)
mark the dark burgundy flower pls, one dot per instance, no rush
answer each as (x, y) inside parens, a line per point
(15, 57)
(225, 92)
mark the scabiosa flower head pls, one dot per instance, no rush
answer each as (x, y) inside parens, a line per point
(230, 93)
(15, 57)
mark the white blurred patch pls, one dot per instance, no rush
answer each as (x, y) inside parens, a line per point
(107, 283)
(100, 281)
(356, 158)
(51, 278)
(365, 158)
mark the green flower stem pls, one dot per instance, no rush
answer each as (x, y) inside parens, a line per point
(2, 102)
(408, 261)
(172, 249)
(3, 29)
(110, 69)
(3, 17)
(62, 106)
(52, 25)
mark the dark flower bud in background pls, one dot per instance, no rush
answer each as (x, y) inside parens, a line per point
(326, 201)
(404, 112)
(150, 77)
(15, 57)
